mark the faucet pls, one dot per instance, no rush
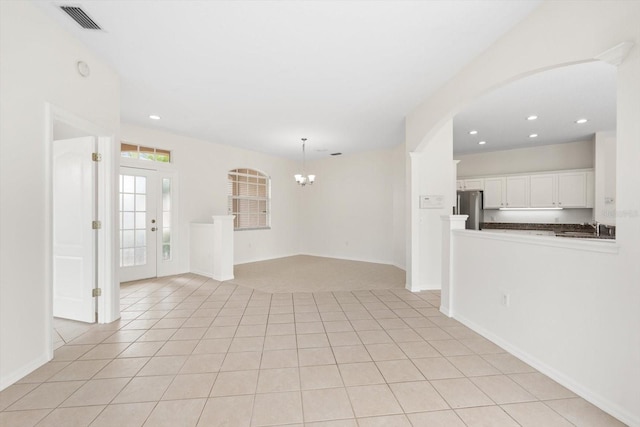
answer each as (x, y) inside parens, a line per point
(595, 225)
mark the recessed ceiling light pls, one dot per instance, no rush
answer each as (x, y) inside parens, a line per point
(473, 132)
(482, 142)
(154, 117)
(533, 135)
(532, 118)
(581, 121)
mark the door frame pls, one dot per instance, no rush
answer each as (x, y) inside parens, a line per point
(108, 306)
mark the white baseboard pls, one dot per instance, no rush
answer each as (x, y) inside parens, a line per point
(444, 310)
(401, 267)
(202, 273)
(23, 371)
(373, 261)
(601, 402)
(269, 258)
(423, 287)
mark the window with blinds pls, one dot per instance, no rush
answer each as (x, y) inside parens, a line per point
(249, 196)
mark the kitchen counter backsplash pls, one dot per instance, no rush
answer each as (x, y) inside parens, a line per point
(605, 231)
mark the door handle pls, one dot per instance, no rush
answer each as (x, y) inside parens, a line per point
(153, 229)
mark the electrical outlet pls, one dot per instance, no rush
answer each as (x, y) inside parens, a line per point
(505, 299)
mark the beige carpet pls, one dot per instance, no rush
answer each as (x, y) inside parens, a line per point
(304, 273)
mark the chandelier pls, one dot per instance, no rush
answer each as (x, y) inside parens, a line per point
(302, 178)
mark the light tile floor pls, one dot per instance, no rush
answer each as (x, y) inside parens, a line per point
(190, 351)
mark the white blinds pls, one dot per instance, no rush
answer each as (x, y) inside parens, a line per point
(248, 191)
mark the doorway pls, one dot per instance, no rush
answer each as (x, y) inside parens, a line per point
(82, 275)
(146, 214)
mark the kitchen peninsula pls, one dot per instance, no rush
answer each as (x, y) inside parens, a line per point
(588, 231)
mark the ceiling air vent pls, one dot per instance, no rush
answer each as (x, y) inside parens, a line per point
(81, 17)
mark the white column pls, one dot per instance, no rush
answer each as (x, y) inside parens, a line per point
(449, 222)
(413, 234)
(223, 247)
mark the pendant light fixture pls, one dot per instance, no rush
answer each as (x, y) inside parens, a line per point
(302, 178)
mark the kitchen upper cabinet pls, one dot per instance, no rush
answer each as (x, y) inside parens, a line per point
(543, 191)
(474, 184)
(494, 193)
(470, 184)
(517, 192)
(557, 189)
(572, 190)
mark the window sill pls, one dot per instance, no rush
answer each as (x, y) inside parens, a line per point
(252, 229)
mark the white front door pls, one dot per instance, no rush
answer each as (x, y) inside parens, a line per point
(74, 239)
(138, 224)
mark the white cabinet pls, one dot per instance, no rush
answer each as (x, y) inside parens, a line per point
(494, 193)
(572, 190)
(517, 192)
(543, 191)
(474, 184)
(557, 189)
(470, 184)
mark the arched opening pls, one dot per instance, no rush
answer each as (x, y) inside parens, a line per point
(538, 154)
(430, 160)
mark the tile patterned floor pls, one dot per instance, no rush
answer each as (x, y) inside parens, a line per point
(190, 351)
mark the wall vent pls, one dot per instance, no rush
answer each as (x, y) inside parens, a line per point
(81, 17)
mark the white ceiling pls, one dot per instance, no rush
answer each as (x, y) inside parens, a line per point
(558, 97)
(263, 74)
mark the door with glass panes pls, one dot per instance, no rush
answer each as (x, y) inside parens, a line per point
(145, 223)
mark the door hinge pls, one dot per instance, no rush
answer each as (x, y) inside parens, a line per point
(96, 225)
(96, 292)
(96, 157)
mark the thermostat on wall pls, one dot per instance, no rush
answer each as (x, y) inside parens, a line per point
(432, 202)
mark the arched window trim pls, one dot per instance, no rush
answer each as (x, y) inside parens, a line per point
(249, 198)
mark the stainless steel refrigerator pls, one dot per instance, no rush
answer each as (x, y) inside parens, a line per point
(470, 203)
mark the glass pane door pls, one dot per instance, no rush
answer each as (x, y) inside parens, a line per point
(138, 224)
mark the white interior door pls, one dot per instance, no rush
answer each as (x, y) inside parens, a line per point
(138, 224)
(74, 239)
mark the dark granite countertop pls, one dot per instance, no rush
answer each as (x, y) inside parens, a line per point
(576, 231)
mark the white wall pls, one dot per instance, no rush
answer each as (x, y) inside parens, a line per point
(572, 155)
(38, 66)
(202, 168)
(432, 172)
(605, 178)
(564, 316)
(351, 211)
(603, 359)
(355, 210)
(399, 202)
